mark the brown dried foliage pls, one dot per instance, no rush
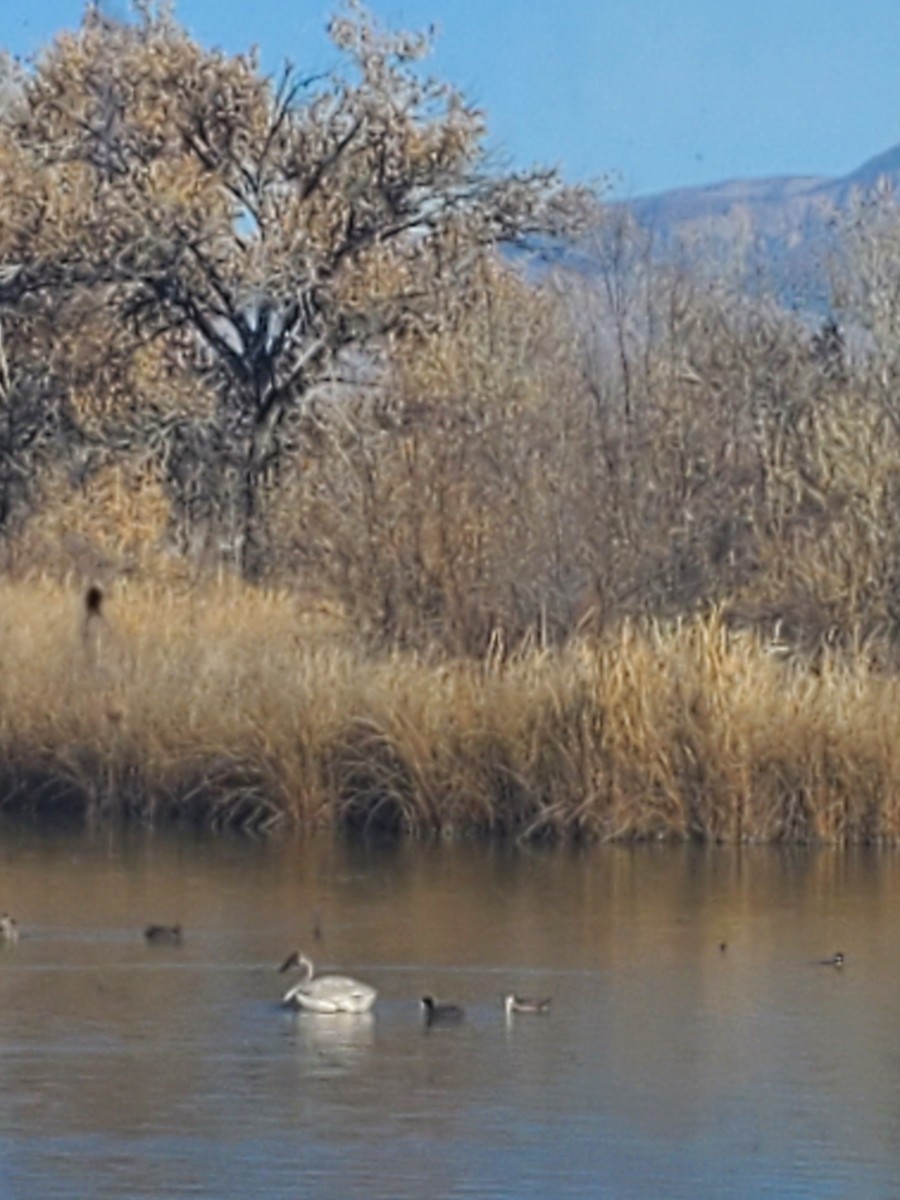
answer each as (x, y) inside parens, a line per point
(621, 545)
(203, 249)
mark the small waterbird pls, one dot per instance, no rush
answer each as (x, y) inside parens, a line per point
(9, 930)
(524, 1004)
(836, 960)
(163, 935)
(441, 1014)
(326, 993)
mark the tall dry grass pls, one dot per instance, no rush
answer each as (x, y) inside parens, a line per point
(234, 706)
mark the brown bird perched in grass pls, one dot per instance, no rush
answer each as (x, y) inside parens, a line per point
(93, 601)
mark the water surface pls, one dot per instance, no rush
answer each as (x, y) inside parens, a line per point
(667, 1067)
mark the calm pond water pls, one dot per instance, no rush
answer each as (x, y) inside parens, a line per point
(667, 1067)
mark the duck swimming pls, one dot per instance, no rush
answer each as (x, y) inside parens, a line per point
(836, 960)
(441, 1014)
(523, 1004)
(163, 935)
(326, 993)
(9, 930)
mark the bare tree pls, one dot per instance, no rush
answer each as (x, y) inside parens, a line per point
(254, 231)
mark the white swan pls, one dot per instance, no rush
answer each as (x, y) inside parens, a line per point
(9, 930)
(326, 993)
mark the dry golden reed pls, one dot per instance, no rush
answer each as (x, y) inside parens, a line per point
(234, 706)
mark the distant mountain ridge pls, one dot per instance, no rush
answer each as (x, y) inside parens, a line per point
(783, 225)
(770, 197)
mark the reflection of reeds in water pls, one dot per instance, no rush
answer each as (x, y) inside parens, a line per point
(228, 706)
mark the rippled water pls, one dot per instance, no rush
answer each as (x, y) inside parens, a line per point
(667, 1067)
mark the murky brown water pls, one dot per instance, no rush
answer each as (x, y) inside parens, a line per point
(666, 1068)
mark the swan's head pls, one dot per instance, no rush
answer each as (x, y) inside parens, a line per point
(299, 961)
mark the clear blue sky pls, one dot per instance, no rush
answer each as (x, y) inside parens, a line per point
(661, 93)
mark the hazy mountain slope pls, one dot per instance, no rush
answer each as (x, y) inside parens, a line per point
(782, 227)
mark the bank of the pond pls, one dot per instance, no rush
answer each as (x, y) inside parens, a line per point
(230, 706)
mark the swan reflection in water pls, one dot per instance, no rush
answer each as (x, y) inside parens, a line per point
(334, 1042)
(326, 993)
